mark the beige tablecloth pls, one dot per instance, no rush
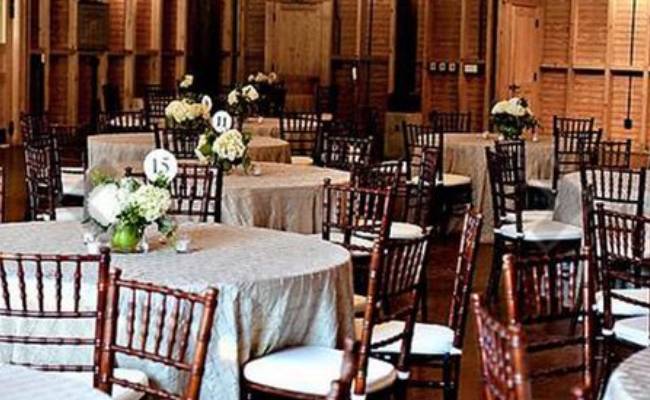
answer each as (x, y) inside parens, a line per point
(19, 383)
(285, 197)
(465, 155)
(267, 127)
(275, 290)
(131, 148)
(631, 379)
(568, 204)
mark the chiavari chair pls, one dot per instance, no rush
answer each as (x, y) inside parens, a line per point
(452, 122)
(502, 353)
(554, 292)
(155, 104)
(46, 289)
(513, 232)
(183, 319)
(3, 192)
(346, 152)
(196, 192)
(179, 141)
(625, 297)
(302, 131)
(124, 122)
(33, 126)
(615, 154)
(440, 346)
(341, 388)
(573, 125)
(397, 269)
(455, 190)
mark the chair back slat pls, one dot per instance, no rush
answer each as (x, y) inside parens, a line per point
(160, 337)
(465, 272)
(301, 130)
(573, 150)
(452, 122)
(41, 176)
(417, 138)
(502, 355)
(345, 152)
(124, 122)
(506, 187)
(155, 103)
(32, 288)
(615, 154)
(179, 141)
(616, 186)
(572, 125)
(196, 192)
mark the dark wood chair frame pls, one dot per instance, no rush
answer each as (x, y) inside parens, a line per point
(179, 141)
(615, 154)
(173, 326)
(452, 122)
(572, 150)
(41, 179)
(124, 122)
(197, 192)
(49, 272)
(345, 152)
(303, 132)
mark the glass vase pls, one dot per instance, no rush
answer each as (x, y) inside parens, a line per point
(126, 239)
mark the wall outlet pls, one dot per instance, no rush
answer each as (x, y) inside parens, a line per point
(470, 69)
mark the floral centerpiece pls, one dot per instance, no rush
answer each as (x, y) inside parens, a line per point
(126, 207)
(228, 150)
(241, 102)
(511, 117)
(189, 113)
(269, 88)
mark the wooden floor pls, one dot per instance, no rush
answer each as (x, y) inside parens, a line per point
(440, 277)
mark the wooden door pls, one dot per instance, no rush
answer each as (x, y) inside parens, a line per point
(298, 47)
(519, 51)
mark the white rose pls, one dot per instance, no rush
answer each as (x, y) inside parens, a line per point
(233, 98)
(500, 107)
(250, 93)
(188, 81)
(104, 204)
(515, 109)
(261, 77)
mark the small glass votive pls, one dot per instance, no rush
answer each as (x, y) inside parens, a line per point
(183, 244)
(256, 170)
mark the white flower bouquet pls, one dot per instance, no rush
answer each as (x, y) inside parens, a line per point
(228, 150)
(511, 117)
(264, 79)
(189, 113)
(127, 206)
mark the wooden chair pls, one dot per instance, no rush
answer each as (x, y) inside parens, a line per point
(554, 292)
(455, 190)
(155, 104)
(124, 122)
(420, 203)
(302, 131)
(48, 289)
(615, 154)
(179, 141)
(502, 350)
(346, 152)
(452, 122)
(196, 192)
(396, 273)
(514, 231)
(33, 126)
(145, 341)
(440, 346)
(625, 297)
(572, 125)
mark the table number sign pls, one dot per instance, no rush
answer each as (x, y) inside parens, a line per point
(222, 121)
(160, 163)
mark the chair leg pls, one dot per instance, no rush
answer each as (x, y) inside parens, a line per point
(492, 289)
(447, 389)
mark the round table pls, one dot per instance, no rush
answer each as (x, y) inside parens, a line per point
(465, 155)
(631, 379)
(287, 197)
(276, 289)
(19, 383)
(133, 147)
(568, 204)
(269, 126)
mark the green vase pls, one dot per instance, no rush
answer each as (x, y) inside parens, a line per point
(509, 132)
(126, 238)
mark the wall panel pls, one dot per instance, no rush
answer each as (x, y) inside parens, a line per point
(553, 100)
(591, 44)
(557, 19)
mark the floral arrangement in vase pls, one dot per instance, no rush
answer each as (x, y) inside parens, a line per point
(241, 102)
(189, 113)
(511, 117)
(228, 150)
(126, 207)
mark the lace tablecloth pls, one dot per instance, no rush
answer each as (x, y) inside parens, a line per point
(18, 383)
(275, 290)
(631, 379)
(128, 148)
(568, 204)
(465, 155)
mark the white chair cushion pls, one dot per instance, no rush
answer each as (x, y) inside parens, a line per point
(453, 180)
(541, 231)
(73, 184)
(530, 216)
(403, 230)
(119, 392)
(302, 160)
(360, 304)
(356, 240)
(546, 184)
(69, 214)
(633, 330)
(428, 339)
(310, 370)
(623, 308)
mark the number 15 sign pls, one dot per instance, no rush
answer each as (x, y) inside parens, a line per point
(160, 163)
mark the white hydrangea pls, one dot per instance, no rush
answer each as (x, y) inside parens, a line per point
(105, 203)
(178, 110)
(233, 98)
(153, 202)
(250, 93)
(187, 82)
(501, 107)
(261, 78)
(229, 145)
